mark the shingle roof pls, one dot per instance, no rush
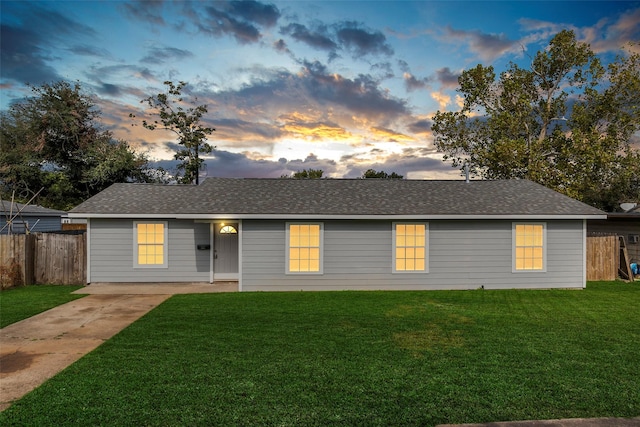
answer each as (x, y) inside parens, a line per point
(334, 198)
(6, 208)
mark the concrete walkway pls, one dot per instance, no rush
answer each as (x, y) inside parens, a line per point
(158, 288)
(35, 349)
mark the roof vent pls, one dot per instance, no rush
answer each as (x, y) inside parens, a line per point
(466, 171)
(628, 206)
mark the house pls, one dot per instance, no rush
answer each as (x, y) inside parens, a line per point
(17, 218)
(333, 234)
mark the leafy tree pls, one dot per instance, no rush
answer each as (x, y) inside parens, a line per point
(370, 173)
(515, 127)
(305, 174)
(185, 124)
(53, 141)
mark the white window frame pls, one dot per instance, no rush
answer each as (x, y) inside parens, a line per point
(287, 249)
(165, 253)
(426, 247)
(545, 244)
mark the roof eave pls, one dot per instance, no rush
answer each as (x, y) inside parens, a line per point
(338, 216)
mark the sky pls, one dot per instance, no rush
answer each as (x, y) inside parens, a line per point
(342, 86)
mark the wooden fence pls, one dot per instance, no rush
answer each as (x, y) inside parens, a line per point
(72, 226)
(43, 258)
(602, 257)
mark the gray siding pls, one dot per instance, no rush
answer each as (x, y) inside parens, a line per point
(36, 224)
(462, 255)
(111, 253)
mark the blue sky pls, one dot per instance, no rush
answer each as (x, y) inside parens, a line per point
(342, 86)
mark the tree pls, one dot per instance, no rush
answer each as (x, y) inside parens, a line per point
(305, 174)
(370, 173)
(185, 124)
(53, 141)
(517, 126)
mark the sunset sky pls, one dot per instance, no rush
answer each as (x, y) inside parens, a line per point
(342, 86)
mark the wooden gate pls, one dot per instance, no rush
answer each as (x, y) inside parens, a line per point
(602, 257)
(60, 258)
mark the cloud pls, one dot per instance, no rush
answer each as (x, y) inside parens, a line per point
(411, 162)
(149, 11)
(239, 19)
(160, 55)
(404, 66)
(88, 50)
(26, 44)
(242, 131)
(607, 35)
(281, 46)
(360, 41)
(447, 78)
(346, 36)
(310, 90)
(110, 89)
(421, 163)
(128, 72)
(442, 99)
(23, 56)
(52, 24)
(421, 126)
(252, 11)
(220, 23)
(612, 37)
(318, 38)
(390, 135)
(487, 46)
(227, 164)
(412, 83)
(317, 131)
(385, 68)
(360, 95)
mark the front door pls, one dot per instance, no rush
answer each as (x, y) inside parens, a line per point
(225, 251)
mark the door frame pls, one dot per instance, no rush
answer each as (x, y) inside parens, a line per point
(224, 276)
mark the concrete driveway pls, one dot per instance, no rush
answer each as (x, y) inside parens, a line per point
(35, 349)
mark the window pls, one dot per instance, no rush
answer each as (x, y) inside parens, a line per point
(529, 251)
(410, 247)
(304, 248)
(19, 227)
(150, 244)
(228, 229)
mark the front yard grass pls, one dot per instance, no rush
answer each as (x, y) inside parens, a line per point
(20, 303)
(357, 358)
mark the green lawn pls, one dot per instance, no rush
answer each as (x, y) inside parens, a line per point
(20, 303)
(357, 358)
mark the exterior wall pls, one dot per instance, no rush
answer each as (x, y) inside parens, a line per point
(462, 255)
(111, 256)
(42, 224)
